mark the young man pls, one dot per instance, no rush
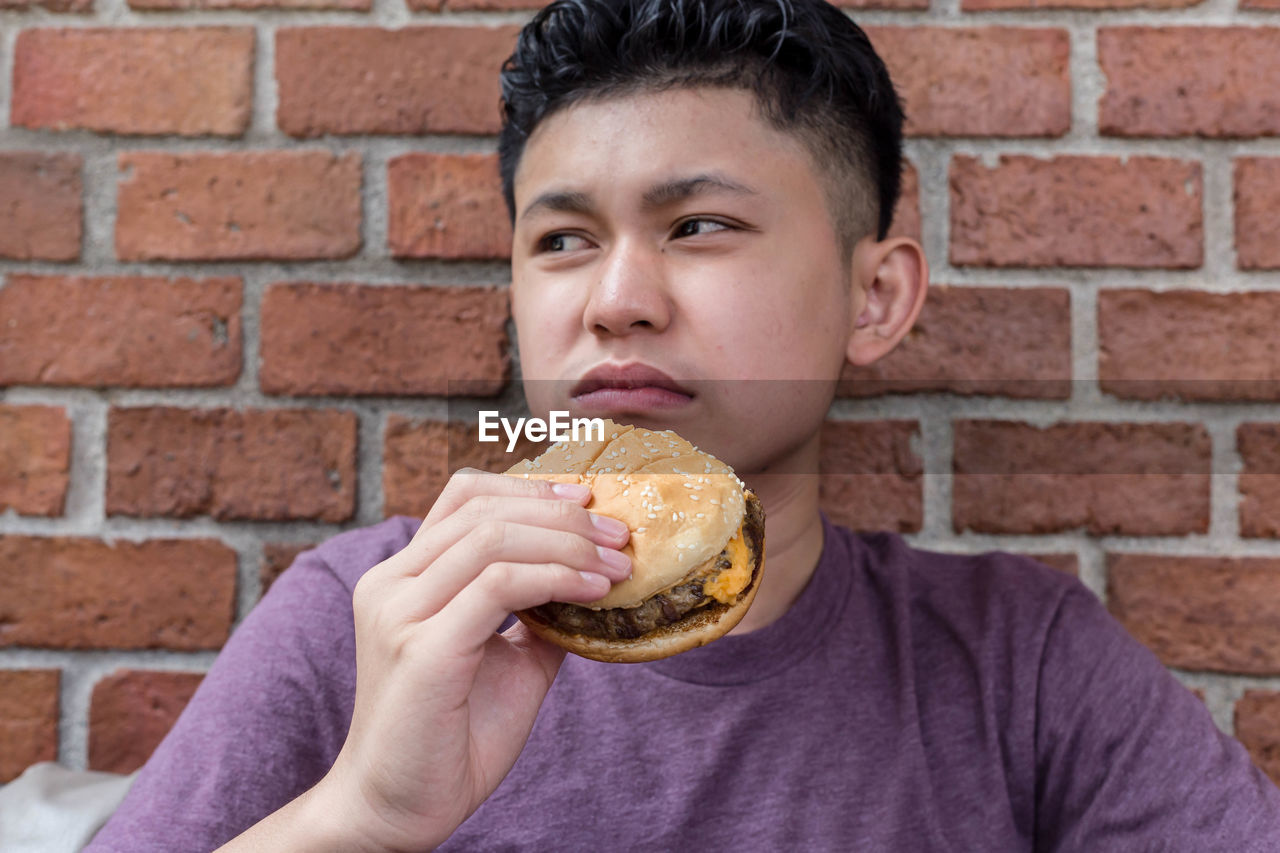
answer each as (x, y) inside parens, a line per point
(700, 191)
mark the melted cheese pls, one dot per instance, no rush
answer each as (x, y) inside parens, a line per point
(725, 586)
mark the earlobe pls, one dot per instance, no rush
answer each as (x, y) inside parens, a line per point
(893, 276)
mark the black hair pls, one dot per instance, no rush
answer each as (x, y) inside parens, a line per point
(783, 51)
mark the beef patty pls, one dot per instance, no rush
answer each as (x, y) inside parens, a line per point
(627, 623)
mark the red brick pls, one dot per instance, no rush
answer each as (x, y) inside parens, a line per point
(1202, 613)
(261, 205)
(906, 215)
(447, 206)
(997, 5)
(347, 5)
(130, 713)
(40, 206)
(268, 465)
(433, 79)
(1068, 563)
(126, 331)
(987, 81)
(1190, 81)
(1015, 342)
(73, 593)
(1187, 344)
(1259, 480)
(384, 339)
(35, 458)
(1257, 198)
(871, 478)
(28, 719)
(1077, 211)
(1110, 478)
(78, 6)
(419, 457)
(1260, 4)
(276, 557)
(1257, 726)
(171, 80)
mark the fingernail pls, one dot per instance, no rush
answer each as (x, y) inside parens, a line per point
(613, 559)
(607, 525)
(573, 491)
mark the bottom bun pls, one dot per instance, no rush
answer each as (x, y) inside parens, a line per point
(697, 628)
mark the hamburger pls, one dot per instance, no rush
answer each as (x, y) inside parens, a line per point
(696, 545)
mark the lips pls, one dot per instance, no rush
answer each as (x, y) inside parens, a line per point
(636, 386)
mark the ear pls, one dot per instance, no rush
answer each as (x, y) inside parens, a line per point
(890, 278)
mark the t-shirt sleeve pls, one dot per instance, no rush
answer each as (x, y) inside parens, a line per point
(1128, 758)
(265, 724)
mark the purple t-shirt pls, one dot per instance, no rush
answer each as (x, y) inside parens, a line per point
(908, 701)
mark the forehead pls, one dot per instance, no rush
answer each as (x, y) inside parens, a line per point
(633, 145)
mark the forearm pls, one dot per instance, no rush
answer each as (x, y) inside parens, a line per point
(307, 824)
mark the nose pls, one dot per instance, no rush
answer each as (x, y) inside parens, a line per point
(631, 293)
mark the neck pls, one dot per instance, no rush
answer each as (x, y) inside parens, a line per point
(793, 537)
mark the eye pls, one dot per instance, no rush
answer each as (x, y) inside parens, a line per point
(683, 231)
(556, 242)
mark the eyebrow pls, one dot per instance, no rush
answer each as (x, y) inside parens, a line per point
(657, 196)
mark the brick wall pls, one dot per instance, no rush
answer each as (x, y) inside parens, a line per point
(246, 244)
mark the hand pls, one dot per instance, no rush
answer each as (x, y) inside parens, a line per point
(444, 703)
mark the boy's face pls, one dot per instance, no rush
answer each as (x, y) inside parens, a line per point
(739, 296)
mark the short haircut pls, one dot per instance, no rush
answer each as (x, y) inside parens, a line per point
(785, 52)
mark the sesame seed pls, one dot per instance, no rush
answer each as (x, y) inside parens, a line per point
(626, 492)
(694, 497)
(653, 515)
(700, 515)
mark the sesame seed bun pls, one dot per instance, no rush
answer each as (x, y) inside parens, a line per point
(696, 545)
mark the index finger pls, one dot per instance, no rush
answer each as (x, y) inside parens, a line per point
(466, 483)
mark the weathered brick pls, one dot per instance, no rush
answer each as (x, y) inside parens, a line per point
(871, 478)
(78, 6)
(432, 79)
(1188, 344)
(346, 5)
(1257, 198)
(1015, 342)
(28, 719)
(996, 5)
(1137, 479)
(130, 713)
(1064, 562)
(1200, 613)
(266, 464)
(384, 339)
(35, 458)
(985, 81)
(1257, 726)
(906, 215)
(1260, 4)
(420, 455)
(285, 205)
(276, 557)
(447, 206)
(74, 593)
(1259, 480)
(126, 331)
(1077, 211)
(186, 81)
(40, 206)
(1190, 81)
